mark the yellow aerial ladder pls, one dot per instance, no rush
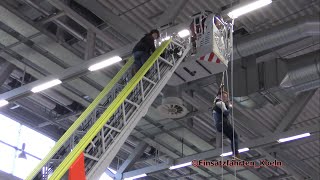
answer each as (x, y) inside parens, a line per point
(103, 127)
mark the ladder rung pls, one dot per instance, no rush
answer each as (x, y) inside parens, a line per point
(149, 80)
(55, 160)
(90, 157)
(124, 113)
(177, 44)
(105, 140)
(164, 60)
(133, 103)
(113, 128)
(81, 133)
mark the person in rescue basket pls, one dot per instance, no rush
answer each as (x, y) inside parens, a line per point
(221, 111)
(143, 50)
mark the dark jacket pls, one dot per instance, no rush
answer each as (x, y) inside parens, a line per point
(219, 110)
(146, 44)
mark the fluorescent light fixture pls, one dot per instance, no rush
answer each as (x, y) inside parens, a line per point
(180, 165)
(46, 85)
(184, 33)
(293, 137)
(248, 8)
(15, 107)
(243, 150)
(49, 176)
(105, 63)
(3, 102)
(135, 177)
(226, 154)
(166, 38)
(230, 153)
(113, 171)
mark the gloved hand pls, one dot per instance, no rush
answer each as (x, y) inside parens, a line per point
(228, 104)
(226, 113)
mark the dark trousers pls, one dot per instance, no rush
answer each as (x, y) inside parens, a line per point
(227, 130)
(140, 57)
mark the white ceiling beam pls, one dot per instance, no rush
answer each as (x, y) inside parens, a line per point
(172, 11)
(253, 144)
(163, 149)
(295, 110)
(5, 70)
(123, 26)
(265, 132)
(112, 42)
(71, 73)
(90, 46)
(133, 157)
(286, 168)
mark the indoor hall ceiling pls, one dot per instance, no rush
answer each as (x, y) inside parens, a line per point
(145, 13)
(195, 132)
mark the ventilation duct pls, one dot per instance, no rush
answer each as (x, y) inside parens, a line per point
(279, 36)
(303, 74)
(304, 77)
(172, 105)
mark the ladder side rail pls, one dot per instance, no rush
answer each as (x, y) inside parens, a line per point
(64, 139)
(115, 144)
(96, 127)
(89, 121)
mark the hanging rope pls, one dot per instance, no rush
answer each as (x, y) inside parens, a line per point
(230, 98)
(221, 92)
(232, 117)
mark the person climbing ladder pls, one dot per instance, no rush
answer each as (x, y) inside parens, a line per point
(143, 49)
(221, 111)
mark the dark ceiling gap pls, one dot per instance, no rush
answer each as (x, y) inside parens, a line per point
(135, 7)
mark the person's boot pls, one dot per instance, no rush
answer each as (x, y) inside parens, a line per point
(134, 71)
(194, 51)
(236, 157)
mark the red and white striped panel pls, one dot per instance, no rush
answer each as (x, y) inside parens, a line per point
(211, 57)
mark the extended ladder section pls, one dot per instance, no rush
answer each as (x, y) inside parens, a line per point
(104, 126)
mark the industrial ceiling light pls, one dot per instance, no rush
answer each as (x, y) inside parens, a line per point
(3, 102)
(226, 154)
(15, 107)
(230, 153)
(135, 177)
(113, 171)
(184, 33)
(165, 39)
(243, 150)
(294, 137)
(180, 165)
(105, 63)
(248, 8)
(46, 85)
(23, 155)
